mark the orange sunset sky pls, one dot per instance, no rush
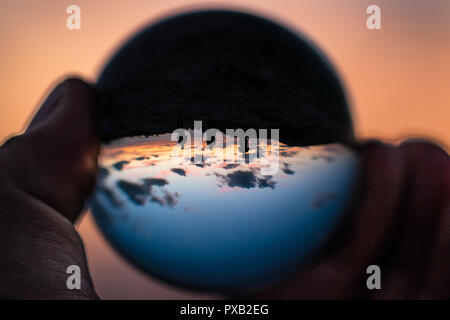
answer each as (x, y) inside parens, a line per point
(397, 79)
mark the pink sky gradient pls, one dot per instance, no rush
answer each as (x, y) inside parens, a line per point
(397, 78)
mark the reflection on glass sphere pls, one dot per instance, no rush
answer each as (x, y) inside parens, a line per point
(222, 227)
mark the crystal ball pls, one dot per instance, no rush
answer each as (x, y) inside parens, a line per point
(220, 226)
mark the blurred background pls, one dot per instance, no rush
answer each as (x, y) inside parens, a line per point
(397, 79)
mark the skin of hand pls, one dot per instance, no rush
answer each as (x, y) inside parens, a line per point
(400, 222)
(46, 174)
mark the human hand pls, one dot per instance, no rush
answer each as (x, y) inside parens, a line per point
(400, 222)
(46, 175)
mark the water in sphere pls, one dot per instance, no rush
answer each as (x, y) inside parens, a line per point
(223, 227)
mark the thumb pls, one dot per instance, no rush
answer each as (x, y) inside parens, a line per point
(55, 159)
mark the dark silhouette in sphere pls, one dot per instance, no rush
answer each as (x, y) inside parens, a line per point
(228, 69)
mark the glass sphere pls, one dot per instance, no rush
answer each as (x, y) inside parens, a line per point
(223, 227)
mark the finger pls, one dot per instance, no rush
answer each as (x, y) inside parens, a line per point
(55, 159)
(340, 271)
(368, 230)
(420, 214)
(437, 285)
(48, 105)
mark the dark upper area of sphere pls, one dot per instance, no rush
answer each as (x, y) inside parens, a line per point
(228, 69)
